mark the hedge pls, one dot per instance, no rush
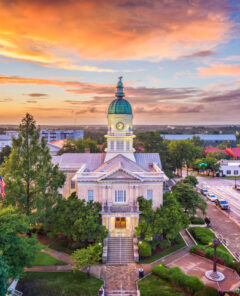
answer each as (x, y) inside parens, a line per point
(203, 235)
(197, 220)
(207, 291)
(177, 277)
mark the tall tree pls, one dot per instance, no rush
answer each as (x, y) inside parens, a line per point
(17, 249)
(4, 153)
(32, 181)
(189, 198)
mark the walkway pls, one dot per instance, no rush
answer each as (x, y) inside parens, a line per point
(226, 227)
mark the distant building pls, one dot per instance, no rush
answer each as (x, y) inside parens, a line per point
(55, 146)
(209, 140)
(229, 168)
(6, 139)
(54, 135)
(232, 152)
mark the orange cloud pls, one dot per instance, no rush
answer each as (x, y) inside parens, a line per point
(220, 70)
(48, 31)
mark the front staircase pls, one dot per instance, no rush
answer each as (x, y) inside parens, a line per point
(120, 251)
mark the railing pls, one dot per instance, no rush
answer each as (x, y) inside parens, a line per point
(111, 208)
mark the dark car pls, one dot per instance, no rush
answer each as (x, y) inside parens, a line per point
(222, 204)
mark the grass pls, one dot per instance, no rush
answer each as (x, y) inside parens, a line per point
(152, 285)
(165, 252)
(58, 284)
(46, 259)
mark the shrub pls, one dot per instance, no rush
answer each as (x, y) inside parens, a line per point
(221, 254)
(197, 220)
(161, 271)
(198, 247)
(164, 244)
(193, 284)
(145, 249)
(203, 235)
(207, 291)
(236, 266)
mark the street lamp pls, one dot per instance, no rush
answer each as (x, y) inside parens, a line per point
(235, 181)
(214, 275)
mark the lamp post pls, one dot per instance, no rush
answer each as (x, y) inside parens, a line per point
(235, 181)
(214, 275)
(140, 243)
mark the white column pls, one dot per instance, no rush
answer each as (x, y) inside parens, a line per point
(131, 225)
(136, 192)
(131, 195)
(103, 193)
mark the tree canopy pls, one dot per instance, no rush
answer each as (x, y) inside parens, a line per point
(189, 198)
(192, 180)
(4, 276)
(32, 181)
(17, 249)
(79, 146)
(165, 222)
(4, 153)
(83, 221)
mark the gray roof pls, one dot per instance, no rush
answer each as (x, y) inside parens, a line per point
(204, 137)
(94, 161)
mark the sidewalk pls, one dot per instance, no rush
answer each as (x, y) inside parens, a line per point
(226, 227)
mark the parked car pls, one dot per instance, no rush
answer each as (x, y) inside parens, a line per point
(205, 192)
(211, 197)
(222, 203)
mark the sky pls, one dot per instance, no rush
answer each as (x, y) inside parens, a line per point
(60, 60)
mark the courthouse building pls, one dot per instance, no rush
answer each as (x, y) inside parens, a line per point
(118, 177)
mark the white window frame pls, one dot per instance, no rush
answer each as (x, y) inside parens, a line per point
(120, 196)
(90, 195)
(149, 194)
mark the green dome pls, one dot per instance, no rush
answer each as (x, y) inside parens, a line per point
(120, 105)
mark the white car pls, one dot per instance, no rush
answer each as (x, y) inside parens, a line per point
(211, 197)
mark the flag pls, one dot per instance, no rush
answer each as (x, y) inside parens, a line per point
(2, 185)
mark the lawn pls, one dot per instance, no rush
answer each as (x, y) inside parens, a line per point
(155, 286)
(46, 259)
(165, 252)
(58, 284)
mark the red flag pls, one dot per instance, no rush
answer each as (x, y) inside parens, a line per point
(2, 185)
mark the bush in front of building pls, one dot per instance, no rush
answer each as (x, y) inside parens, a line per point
(161, 271)
(202, 235)
(144, 249)
(236, 265)
(227, 258)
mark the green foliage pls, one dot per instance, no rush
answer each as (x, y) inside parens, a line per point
(79, 146)
(236, 265)
(221, 254)
(207, 291)
(4, 276)
(189, 198)
(46, 259)
(165, 222)
(164, 243)
(161, 271)
(18, 250)
(32, 181)
(87, 256)
(4, 153)
(145, 249)
(192, 180)
(197, 247)
(197, 220)
(219, 155)
(177, 277)
(202, 235)
(83, 221)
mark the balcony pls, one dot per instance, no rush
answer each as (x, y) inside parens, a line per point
(108, 207)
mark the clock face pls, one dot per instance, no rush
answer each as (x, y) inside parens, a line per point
(120, 125)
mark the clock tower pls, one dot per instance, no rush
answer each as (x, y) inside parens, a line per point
(120, 133)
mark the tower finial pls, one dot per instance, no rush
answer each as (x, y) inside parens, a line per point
(120, 93)
(120, 78)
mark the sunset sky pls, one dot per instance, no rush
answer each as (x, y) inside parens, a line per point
(180, 60)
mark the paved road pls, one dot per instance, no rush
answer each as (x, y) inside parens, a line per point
(224, 189)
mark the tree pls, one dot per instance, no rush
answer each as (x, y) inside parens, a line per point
(79, 146)
(4, 153)
(212, 164)
(218, 155)
(189, 198)
(32, 181)
(86, 257)
(17, 249)
(3, 276)
(192, 180)
(83, 221)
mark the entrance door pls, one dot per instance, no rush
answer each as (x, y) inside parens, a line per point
(120, 222)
